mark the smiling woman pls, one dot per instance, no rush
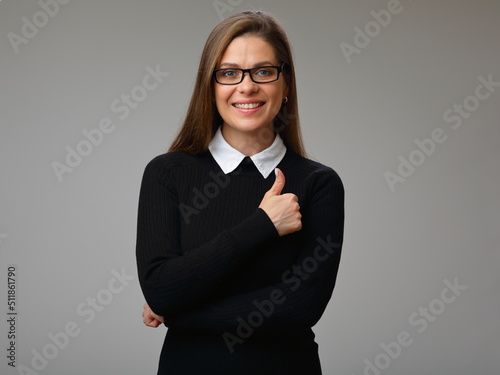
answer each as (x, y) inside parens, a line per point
(203, 118)
(248, 107)
(242, 281)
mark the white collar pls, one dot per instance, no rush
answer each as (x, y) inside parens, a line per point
(229, 158)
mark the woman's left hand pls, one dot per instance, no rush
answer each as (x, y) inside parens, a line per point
(150, 318)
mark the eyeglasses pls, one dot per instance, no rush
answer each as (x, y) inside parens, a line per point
(262, 74)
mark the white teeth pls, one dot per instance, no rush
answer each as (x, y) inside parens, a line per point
(248, 105)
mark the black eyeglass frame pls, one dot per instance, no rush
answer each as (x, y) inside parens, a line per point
(249, 71)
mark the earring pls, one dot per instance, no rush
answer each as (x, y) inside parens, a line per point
(285, 100)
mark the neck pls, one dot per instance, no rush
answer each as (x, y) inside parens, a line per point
(248, 143)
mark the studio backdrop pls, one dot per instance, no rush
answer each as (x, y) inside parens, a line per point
(400, 97)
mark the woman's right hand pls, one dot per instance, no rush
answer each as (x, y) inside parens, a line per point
(150, 318)
(282, 209)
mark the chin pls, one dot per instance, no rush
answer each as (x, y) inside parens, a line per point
(250, 127)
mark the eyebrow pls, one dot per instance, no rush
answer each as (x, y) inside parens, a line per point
(233, 65)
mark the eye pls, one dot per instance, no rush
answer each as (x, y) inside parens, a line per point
(263, 72)
(228, 73)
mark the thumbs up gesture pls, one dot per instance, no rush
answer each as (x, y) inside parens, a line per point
(282, 209)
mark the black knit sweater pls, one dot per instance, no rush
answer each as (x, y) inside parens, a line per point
(236, 297)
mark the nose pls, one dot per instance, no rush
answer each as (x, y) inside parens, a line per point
(247, 85)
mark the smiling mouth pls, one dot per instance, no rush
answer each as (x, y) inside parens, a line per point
(248, 105)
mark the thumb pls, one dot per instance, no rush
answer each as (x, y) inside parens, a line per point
(279, 183)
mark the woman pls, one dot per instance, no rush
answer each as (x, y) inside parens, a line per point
(227, 259)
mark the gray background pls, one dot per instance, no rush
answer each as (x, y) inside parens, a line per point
(401, 245)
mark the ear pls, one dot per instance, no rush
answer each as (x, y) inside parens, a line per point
(285, 90)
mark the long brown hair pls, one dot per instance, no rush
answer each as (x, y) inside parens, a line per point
(203, 119)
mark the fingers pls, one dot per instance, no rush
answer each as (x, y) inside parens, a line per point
(292, 197)
(153, 323)
(279, 183)
(150, 321)
(295, 220)
(149, 318)
(282, 209)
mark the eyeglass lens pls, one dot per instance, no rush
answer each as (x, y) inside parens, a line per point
(233, 76)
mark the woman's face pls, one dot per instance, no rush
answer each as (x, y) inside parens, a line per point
(246, 52)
